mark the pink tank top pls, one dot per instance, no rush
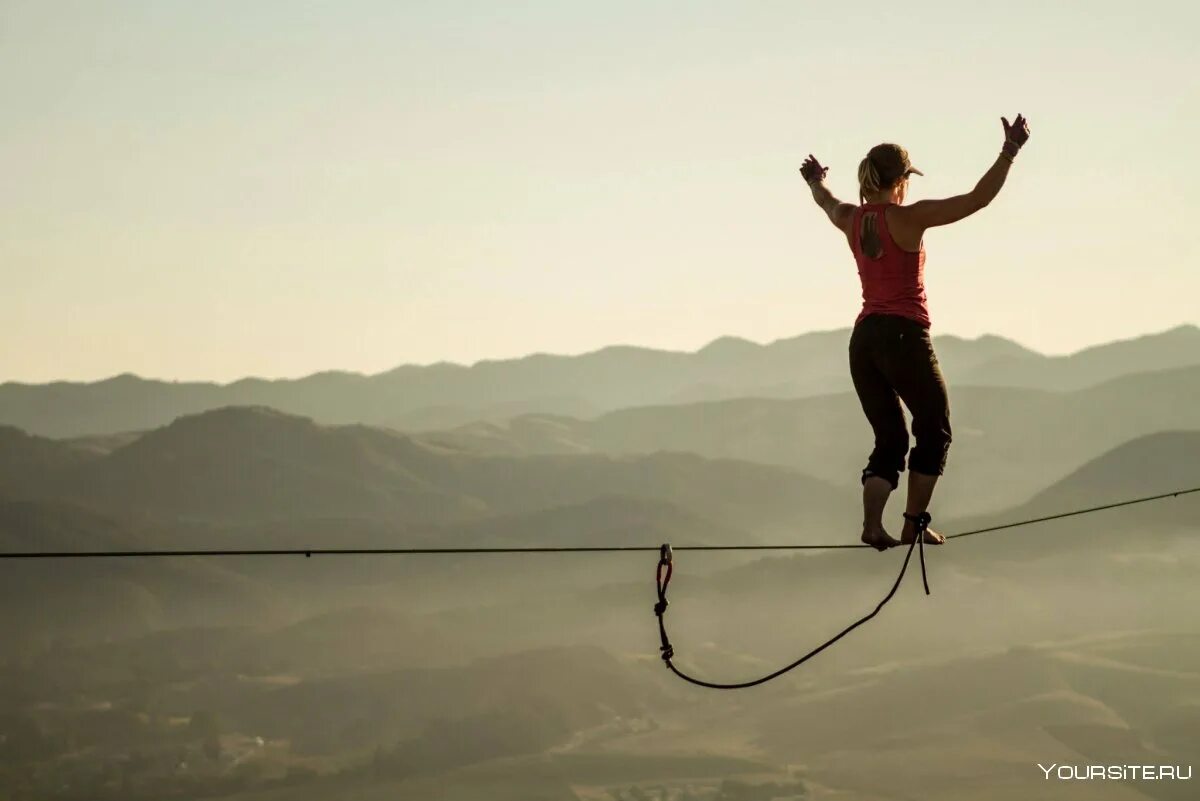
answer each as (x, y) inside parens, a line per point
(893, 283)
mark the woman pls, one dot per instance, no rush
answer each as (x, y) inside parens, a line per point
(891, 354)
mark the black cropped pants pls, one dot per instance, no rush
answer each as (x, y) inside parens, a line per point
(892, 359)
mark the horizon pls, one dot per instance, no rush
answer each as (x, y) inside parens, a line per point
(612, 346)
(194, 191)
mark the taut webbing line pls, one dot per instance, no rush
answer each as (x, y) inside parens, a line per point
(533, 549)
(1072, 514)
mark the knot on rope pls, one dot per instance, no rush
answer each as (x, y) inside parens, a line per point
(662, 578)
(922, 522)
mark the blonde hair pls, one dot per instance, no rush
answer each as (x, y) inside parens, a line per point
(884, 165)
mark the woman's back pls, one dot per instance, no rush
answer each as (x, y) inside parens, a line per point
(893, 278)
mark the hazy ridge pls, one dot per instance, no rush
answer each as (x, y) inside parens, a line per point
(443, 395)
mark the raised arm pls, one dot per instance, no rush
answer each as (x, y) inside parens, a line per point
(930, 213)
(839, 213)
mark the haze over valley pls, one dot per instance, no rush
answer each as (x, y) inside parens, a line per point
(537, 675)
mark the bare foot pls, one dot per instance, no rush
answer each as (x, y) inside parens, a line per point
(879, 539)
(910, 533)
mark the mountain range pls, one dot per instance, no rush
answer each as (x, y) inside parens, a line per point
(443, 395)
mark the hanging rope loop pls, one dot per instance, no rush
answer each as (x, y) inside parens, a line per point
(668, 653)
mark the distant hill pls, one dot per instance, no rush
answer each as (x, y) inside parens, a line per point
(97, 598)
(26, 461)
(50, 525)
(444, 395)
(1149, 465)
(256, 465)
(1175, 347)
(1008, 442)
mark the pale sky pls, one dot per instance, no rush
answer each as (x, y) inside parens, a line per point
(210, 190)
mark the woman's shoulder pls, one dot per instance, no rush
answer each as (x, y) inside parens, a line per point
(902, 229)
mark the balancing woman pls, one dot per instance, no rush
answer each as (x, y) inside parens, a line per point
(891, 354)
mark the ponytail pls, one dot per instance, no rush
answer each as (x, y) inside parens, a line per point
(868, 179)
